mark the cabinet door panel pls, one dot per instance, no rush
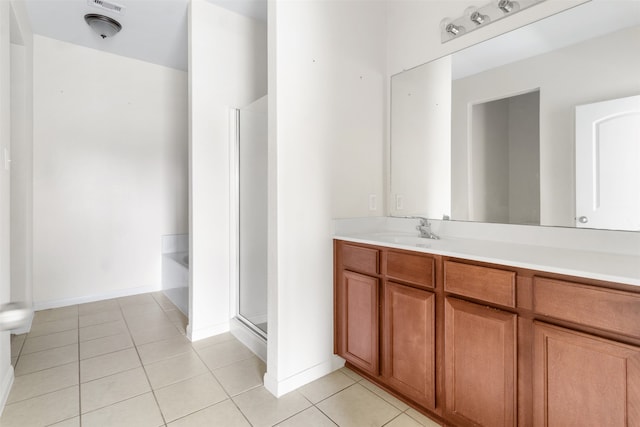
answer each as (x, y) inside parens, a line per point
(480, 364)
(583, 380)
(358, 320)
(409, 342)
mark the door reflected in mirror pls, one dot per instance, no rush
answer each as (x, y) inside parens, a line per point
(498, 171)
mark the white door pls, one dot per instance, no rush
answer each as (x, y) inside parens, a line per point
(608, 164)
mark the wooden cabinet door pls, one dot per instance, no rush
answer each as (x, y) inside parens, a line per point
(409, 342)
(357, 317)
(480, 364)
(583, 380)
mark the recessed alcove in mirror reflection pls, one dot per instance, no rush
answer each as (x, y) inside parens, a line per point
(504, 167)
(583, 56)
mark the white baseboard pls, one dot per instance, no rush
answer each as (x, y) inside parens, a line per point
(5, 387)
(246, 336)
(282, 387)
(207, 332)
(26, 328)
(43, 305)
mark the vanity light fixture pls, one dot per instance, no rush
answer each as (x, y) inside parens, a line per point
(478, 18)
(505, 5)
(103, 25)
(481, 17)
(453, 29)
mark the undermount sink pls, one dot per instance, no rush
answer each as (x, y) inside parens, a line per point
(406, 239)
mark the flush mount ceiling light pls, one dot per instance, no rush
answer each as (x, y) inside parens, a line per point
(481, 17)
(102, 25)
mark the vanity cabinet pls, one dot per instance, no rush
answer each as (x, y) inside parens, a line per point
(409, 342)
(480, 345)
(357, 307)
(584, 380)
(480, 364)
(476, 344)
(385, 317)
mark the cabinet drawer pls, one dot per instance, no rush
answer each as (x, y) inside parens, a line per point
(483, 283)
(415, 269)
(607, 309)
(364, 260)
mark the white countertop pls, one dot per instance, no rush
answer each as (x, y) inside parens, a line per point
(612, 267)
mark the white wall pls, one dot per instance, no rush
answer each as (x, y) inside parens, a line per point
(110, 171)
(227, 69)
(421, 98)
(22, 167)
(326, 155)
(16, 47)
(6, 371)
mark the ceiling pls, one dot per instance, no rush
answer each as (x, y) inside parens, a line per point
(152, 30)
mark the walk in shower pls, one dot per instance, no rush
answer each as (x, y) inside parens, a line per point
(251, 155)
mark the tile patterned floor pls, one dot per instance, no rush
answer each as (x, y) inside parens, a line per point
(126, 362)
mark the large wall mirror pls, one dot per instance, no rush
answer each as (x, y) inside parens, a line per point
(539, 126)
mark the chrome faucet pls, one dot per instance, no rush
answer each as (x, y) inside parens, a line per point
(425, 229)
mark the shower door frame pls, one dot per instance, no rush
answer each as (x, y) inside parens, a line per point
(236, 215)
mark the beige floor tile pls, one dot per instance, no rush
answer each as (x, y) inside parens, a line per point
(17, 341)
(46, 328)
(159, 350)
(112, 389)
(139, 299)
(403, 420)
(308, 417)
(105, 345)
(100, 317)
(103, 330)
(153, 334)
(178, 319)
(140, 411)
(144, 321)
(421, 419)
(43, 382)
(98, 306)
(223, 414)
(175, 369)
(383, 394)
(216, 339)
(356, 406)
(108, 364)
(224, 353)
(326, 386)
(163, 301)
(46, 342)
(189, 396)
(42, 410)
(71, 422)
(46, 359)
(354, 376)
(55, 314)
(242, 376)
(262, 409)
(130, 311)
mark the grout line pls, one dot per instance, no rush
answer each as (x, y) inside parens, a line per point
(79, 379)
(144, 369)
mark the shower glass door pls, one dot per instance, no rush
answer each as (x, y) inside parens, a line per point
(252, 213)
